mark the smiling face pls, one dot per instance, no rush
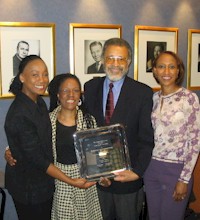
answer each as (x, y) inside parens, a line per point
(69, 94)
(116, 62)
(96, 52)
(166, 70)
(35, 78)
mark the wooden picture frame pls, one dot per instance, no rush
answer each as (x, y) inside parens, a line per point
(146, 40)
(36, 38)
(81, 36)
(193, 59)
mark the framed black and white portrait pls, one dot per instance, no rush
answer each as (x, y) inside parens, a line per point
(86, 43)
(149, 41)
(193, 81)
(20, 39)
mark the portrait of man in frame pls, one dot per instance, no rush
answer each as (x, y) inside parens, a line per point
(93, 53)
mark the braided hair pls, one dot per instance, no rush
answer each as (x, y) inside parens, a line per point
(53, 90)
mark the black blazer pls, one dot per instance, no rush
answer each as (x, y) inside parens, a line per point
(92, 69)
(28, 132)
(133, 110)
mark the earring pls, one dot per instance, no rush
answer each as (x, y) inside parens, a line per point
(80, 102)
(58, 102)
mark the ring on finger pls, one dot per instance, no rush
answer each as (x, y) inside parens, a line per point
(100, 183)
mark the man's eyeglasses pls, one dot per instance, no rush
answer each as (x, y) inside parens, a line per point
(120, 60)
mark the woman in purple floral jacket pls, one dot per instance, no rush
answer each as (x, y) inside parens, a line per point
(176, 123)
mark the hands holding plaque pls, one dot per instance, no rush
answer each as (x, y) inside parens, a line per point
(101, 152)
(126, 176)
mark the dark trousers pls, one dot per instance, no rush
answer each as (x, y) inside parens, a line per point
(160, 179)
(34, 212)
(119, 206)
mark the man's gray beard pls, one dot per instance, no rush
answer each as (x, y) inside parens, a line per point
(114, 78)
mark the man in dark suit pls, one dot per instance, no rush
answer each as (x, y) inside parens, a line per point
(22, 52)
(96, 52)
(132, 108)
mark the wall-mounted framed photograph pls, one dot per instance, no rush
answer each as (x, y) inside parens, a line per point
(20, 39)
(86, 43)
(149, 41)
(193, 57)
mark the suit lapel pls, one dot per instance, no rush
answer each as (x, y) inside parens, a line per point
(99, 101)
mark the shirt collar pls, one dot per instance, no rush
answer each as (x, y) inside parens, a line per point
(115, 83)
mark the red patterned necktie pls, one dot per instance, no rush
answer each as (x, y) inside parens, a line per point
(109, 105)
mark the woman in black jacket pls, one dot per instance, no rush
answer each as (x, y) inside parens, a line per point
(28, 131)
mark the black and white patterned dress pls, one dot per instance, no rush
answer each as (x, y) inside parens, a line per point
(71, 202)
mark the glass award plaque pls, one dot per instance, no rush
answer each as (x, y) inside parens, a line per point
(101, 151)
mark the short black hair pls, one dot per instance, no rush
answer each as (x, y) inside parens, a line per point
(94, 43)
(22, 42)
